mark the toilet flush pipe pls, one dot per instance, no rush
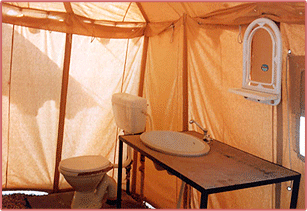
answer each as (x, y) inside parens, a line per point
(107, 186)
(128, 161)
(180, 195)
(127, 165)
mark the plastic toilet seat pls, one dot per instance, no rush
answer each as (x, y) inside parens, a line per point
(85, 164)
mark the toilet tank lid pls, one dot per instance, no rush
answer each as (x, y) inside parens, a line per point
(129, 100)
(88, 163)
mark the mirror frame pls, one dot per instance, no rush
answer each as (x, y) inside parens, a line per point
(274, 32)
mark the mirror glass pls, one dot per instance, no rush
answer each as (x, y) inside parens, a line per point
(261, 65)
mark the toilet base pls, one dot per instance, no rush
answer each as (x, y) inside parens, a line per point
(86, 200)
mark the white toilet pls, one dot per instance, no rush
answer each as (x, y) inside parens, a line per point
(87, 174)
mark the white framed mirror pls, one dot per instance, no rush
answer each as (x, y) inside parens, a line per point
(262, 62)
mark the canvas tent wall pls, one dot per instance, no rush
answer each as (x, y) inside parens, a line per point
(62, 62)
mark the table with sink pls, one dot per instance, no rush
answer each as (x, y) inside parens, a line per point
(210, 168)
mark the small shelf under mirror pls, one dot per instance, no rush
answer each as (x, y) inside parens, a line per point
(256, 96)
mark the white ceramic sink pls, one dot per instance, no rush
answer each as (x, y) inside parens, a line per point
(175, 143)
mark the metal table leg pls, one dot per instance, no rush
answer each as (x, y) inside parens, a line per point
(204, 200)
(119, 176)
(295, 188)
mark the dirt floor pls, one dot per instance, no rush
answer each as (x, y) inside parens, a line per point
(15, 201)
(58, 201)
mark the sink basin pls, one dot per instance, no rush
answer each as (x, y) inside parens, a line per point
(175, 143)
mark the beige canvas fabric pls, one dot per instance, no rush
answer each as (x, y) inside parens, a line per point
(168, 52)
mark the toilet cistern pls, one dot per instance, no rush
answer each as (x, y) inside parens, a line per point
(206, 137)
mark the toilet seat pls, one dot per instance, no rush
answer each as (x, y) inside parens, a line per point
(85, 165)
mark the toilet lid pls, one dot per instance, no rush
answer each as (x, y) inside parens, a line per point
(82, 164)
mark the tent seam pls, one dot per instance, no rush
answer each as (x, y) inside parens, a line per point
(127, 11)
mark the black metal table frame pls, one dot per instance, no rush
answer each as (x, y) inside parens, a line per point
(205, 193)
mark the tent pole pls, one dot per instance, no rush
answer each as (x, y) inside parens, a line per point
(65, 78)
(9, 107)
(185, 108)
(144, 53)
(185, 101)
(143, 66)
(141, 89)
(278, 137)
(277, 115)
(139, 4)
(278, 148)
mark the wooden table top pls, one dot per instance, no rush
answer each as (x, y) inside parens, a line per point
(224, 168)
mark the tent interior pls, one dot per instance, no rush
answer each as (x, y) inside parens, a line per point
(63, 61)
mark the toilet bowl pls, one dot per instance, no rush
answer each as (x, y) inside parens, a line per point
(87, 175)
